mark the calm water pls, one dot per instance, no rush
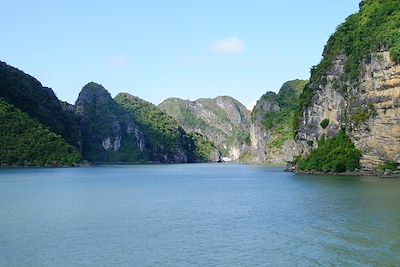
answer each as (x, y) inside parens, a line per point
(196, 215)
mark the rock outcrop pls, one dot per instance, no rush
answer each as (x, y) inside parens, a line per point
(108, 132)
(39, 102)
(379, 137)
(356, 86)
(97, 126)
(222, 120)
(167, 141)
(369, 109)
(271, 131)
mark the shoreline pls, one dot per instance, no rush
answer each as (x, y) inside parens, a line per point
(285, 169)
(355, 173)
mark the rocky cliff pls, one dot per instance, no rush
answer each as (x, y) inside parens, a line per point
(223, 120)
(271, 130)
(356, 87)
(108, 132)
(35, 125)
(167, 141)
(39, 102)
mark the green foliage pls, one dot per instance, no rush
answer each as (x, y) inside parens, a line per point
(289, 94)
(165, 137)
(374, 27)
(387, 166)
(246, 157)
(324, 123)
(303, 102)
(102, 117)
(336, 154)
(395, 53)
(361, 115)
(212, 118)
(277, 111)
(25, 142)
(272, 119)
(26, 93)
(203, 147)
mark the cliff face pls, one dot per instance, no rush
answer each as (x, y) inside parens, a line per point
(27, 94)
(271, 131)
(356, 87)
(104, 131)
(167, 140)
(222, 120)
(109, 134)
(369, 109)
(379, 137)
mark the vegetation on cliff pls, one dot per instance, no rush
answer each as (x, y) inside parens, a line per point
(336, 154)
(108, 132)
(166, 139)
(275, 112)
(26, 93)
(387, 166)
(204, 150)
(223, 120)
(373, 28)
(102, 130)
(26, 142)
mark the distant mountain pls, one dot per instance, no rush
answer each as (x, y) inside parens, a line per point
(26, 93)
(39, 130)
(109, 134)
(271, 130)
(167, 141)
(26, 142)
(222, 120)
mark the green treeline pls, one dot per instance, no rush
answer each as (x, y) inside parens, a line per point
(25, 142)
(336, 154)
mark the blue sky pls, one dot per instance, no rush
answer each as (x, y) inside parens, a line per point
(157, 49)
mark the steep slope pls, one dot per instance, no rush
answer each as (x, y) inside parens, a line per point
(167, 141)
(109, 134)
(271, 130)
(25, 142)
(356, 87)
(40, 103)
(223, 120)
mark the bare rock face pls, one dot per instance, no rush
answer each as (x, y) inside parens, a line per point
(167, 141)
(109, 134)
(258, 138)
(327, 103)
(223, 120)
(379, 137)
(369, 109)
(271, 132)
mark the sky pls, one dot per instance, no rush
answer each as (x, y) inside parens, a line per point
(157, 49)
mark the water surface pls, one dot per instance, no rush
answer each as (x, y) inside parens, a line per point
(196, 215)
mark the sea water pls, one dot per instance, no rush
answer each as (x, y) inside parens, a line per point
(196, 215)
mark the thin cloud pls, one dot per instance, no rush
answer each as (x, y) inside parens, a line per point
(230, 45)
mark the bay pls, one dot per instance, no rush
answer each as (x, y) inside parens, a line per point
(196, 215)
